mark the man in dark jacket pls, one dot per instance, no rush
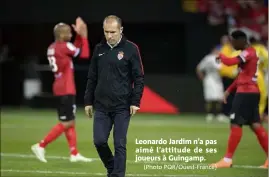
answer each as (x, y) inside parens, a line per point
(114, 90)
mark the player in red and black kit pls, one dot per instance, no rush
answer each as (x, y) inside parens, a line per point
(60, 54)
(245, 107)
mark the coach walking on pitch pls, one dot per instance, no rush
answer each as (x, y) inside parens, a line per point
(114, 90)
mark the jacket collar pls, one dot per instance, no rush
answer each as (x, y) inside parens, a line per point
(121, 42)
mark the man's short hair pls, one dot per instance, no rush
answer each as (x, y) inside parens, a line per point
(118, 19)
(238, 34)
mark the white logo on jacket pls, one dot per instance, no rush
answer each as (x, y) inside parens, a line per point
(120, 55)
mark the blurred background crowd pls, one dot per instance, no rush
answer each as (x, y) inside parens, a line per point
(251, 15)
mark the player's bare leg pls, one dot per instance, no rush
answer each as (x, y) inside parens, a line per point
(70, 134)
(262, 137)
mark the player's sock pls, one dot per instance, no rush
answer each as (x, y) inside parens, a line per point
(262, 136)
(234, 139)
(227, 159)
(71, 137)
(55, 132)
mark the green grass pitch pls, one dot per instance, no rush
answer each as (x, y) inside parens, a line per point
(20, 128)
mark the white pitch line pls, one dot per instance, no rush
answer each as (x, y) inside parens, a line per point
(66, 158)
(29, 156)
(128, 161)
(248, 167)
(86, 173)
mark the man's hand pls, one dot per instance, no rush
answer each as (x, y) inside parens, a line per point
(89, 111)
(80, 27)
(133, 110)
(226, 94)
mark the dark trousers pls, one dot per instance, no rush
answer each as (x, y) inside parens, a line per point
(103, 122)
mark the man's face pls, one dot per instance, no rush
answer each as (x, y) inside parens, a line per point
(66, 33)
(237, 44)
(112, 31)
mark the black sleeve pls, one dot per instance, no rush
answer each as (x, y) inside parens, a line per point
(243, 56)
(138, 77)
(92, 80)
(242, 60)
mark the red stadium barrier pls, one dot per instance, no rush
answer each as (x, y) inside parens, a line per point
(153, 103)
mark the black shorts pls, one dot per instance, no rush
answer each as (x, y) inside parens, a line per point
(245, 109)
(66, 107)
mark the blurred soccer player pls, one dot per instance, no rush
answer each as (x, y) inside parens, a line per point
(208, 71)
(245, 108)
(228, 50)
(262, 53)
(60, 55)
